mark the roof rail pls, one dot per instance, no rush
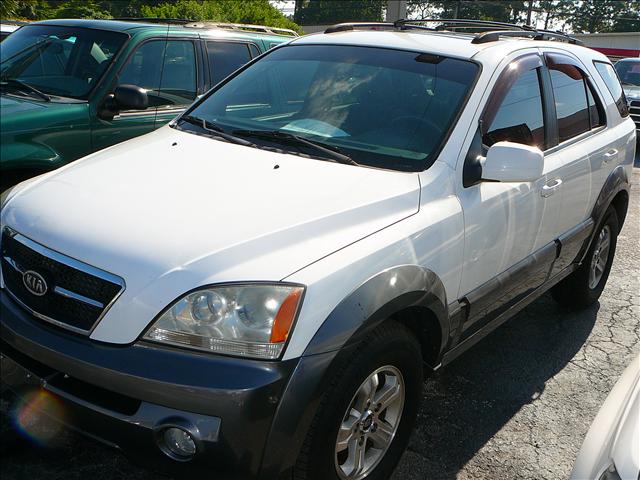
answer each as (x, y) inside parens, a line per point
(493, 30)
(243, 27)
(349, 26)
(170, 21)
(494, 36)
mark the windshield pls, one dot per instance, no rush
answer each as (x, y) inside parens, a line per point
(383, 108)
(629, 72)
(60, 61)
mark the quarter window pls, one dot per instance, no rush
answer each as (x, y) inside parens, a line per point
(519, 118)
(225, 58)
(610, 78)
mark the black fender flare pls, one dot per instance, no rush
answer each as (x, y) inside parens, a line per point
(617, 181)
(378, 298)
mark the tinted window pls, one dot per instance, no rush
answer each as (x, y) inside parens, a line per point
(225, 58)
(61, 61)
(255, 51)
(610, 78)
(571, 105)
(519, 117)
(382, 107)
(629, 72)
(175, 84)
(179, 78)
(596, 111)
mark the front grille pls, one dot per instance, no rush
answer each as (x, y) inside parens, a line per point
(76, 295)
(634, 110)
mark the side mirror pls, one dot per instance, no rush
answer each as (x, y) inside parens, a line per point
(512, 162)
(130, 97)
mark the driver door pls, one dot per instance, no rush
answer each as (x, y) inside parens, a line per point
(510, 227)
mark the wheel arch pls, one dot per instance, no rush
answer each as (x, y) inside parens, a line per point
(409, 294)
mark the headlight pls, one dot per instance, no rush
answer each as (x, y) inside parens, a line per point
(243, 320)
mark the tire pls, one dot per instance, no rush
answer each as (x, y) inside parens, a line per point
(393, 352)
(582, 288)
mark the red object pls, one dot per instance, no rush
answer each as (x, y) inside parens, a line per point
(618, 52)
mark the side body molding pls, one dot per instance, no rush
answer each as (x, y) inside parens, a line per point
(377, 299)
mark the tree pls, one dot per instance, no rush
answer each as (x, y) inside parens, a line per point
(234, 11)
(324, 12)
(593, 16)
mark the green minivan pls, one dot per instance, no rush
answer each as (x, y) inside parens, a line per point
(71, 87)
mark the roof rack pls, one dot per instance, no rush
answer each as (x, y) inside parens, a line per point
(170, 21)
(243, 27)
(492, 30)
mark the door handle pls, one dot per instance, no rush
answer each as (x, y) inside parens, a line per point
(610, 155)
(550, 187)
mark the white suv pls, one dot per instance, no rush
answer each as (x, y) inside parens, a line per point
(258, 288)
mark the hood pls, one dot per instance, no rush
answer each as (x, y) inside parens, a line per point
(37, 134)
(171, 211)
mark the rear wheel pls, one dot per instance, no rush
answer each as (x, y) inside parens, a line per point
(366, 416)
(584, 286)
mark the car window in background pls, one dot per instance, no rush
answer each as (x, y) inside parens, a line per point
(519, 118)
(629, 72)
(610, 77)
(225, 58)
(178, 84)
(166, 69)
(60, 61)
(385, 108)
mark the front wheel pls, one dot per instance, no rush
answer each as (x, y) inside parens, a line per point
(366, 416)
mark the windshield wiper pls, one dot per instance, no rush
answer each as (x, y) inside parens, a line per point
(333, 153)
(215, 129)
(25, 87)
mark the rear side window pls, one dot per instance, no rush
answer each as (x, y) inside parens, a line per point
(519, 118)
(572, 107)
(225, 58)
(610, 77)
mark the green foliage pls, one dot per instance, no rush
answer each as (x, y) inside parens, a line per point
(324, 12)
(580, 15)
(234, 11)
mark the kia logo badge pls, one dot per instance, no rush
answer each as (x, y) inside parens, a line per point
(34, 282)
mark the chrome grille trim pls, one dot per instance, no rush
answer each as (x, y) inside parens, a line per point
(69, 262)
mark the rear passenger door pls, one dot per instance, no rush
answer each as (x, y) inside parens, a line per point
(581, 146)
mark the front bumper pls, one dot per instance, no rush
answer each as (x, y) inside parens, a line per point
(123, 395)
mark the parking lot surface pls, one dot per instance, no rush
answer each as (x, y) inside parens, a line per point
(516, 406)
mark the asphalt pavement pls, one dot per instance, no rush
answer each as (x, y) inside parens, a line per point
(516, 406)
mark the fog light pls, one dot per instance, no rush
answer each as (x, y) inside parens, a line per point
(178, 443)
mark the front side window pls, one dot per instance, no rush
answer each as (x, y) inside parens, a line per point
(166, 69)
(384, 108)
(519, 117)
(63, 61)
(225, 58)
(608, 74)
